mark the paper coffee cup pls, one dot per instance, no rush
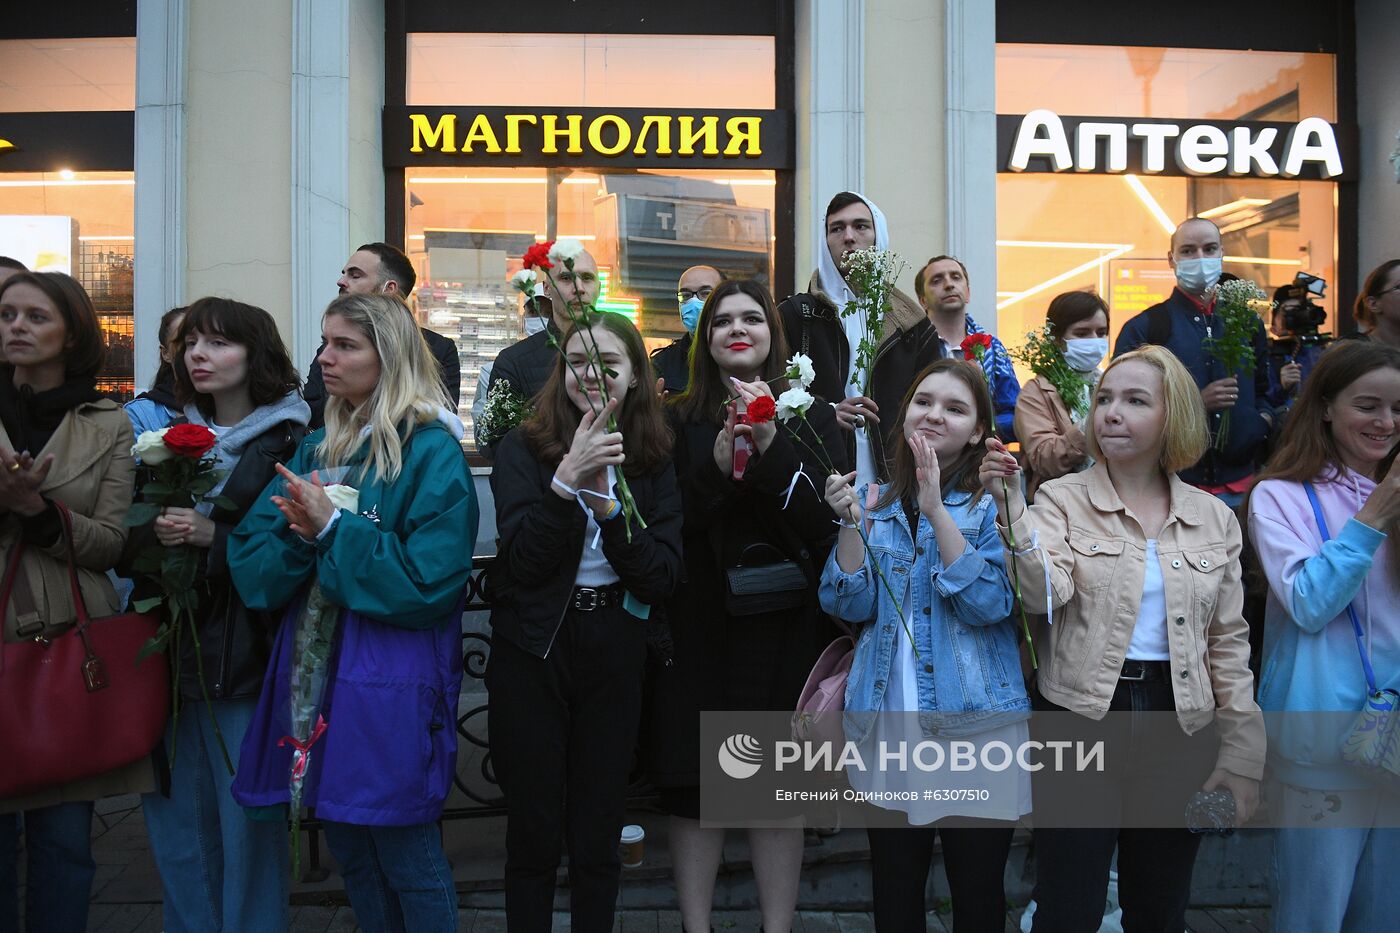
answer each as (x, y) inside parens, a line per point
(632, 845)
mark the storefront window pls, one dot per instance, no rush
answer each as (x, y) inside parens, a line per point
(467, 228)
(66, 219)
(1110, 232)
(79, 223)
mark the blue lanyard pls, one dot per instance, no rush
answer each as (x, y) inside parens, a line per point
(1351, 611)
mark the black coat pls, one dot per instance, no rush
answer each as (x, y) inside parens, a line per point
(742, 662)
(235, 641)
(672, 363)
(540, 542)
(444, 350)
(527, 365)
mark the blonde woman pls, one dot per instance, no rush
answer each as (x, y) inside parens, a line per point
(396, 566)
(1143, 574)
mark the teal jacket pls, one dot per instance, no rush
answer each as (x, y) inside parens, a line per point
(404, 559)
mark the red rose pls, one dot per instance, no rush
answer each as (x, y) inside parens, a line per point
(761, 410)
(975, 345)
(538, 256)
(190, 440)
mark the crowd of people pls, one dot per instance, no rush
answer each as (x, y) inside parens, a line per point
(625, 503)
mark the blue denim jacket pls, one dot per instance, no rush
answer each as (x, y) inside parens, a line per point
(968, 667)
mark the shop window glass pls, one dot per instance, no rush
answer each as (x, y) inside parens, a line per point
(467, 228)
(1110, 232)
(79, 223)
(50, 75)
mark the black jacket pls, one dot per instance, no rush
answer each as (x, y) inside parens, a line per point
(444, 350)
(235, 641)
(541, 541)
(724, 662)
(527, 364)
(672, 363)
(898, 362)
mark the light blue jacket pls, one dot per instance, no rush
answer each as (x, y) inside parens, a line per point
(968, 668)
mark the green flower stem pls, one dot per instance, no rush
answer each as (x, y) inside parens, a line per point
(204, 689)
(826, 464)
(1016, 575)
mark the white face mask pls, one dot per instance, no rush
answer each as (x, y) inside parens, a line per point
(1195, 276)
(534, 324)
(1085, 354)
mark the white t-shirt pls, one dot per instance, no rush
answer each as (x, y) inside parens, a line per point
(1150, 630)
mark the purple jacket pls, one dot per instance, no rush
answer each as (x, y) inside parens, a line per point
(390, 747)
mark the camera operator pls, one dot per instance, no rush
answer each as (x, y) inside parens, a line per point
(1294, 344)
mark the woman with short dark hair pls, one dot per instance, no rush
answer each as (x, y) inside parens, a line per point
(1378, 304)
(62, 442)
(232, 374)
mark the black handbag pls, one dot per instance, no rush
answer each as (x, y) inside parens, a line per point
(753, 588)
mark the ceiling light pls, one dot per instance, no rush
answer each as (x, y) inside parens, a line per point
(1150, 203)
(1063, 276)
(1235, 205)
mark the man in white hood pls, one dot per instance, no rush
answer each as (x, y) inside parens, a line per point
(813, 325)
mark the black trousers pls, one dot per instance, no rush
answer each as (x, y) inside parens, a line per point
(975, 862)
(1154, 864)
(563, 732)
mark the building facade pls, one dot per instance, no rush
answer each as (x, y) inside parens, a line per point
(169, 149)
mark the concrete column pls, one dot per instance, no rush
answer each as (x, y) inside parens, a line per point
(238, 154)
(160, 173)
(969, 59)
(1378, 113)
(830, 73)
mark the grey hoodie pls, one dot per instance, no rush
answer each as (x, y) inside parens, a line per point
(229, 450)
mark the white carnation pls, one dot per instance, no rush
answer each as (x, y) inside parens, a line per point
(524, 281)
(565, 250)
(344, 497)
(806, 372)
(794, 403)
(150, 447)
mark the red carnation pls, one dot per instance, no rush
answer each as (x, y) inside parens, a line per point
(190, 440)
(537, 256)
(975, 345)
(761, 410)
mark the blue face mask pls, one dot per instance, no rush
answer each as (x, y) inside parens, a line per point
(690, 312)
(1195, 276)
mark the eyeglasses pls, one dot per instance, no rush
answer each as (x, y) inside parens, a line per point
(703, 293)
(1387, 291)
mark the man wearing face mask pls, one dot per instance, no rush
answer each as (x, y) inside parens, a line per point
(672, 362)
(813, 325)
(1182, 324)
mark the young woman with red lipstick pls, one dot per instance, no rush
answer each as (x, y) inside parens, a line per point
(770, 509)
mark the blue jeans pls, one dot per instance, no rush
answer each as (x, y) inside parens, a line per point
(1335, 878)
(219, 870)
(60, 869)
(397, 877)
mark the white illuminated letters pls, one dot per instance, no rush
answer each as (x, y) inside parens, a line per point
(1029, 142)
(1195, 148)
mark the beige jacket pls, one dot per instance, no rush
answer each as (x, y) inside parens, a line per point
(93, 474)
(1096, 558)
(1051, 444)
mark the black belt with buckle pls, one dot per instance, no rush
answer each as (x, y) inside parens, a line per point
(589, 598)
(1145, 670)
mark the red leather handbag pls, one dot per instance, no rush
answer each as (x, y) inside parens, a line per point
(77, 704)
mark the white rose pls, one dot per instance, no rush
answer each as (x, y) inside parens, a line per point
(794, 403)
(565, 250)
(524, 281)
(806, 373)
(344, 497)
(150, 447)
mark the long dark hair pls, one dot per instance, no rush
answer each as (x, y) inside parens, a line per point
(705, 395)
(165, 372)
(271, 374)
(646, 440)
(1307, 451)
(86, 352)
(959, 475)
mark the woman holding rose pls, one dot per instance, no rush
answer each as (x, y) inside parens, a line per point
(752, 496)
(61, 442)
(239, 392)
(392, 562)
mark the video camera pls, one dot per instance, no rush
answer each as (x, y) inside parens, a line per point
(1301, 316)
